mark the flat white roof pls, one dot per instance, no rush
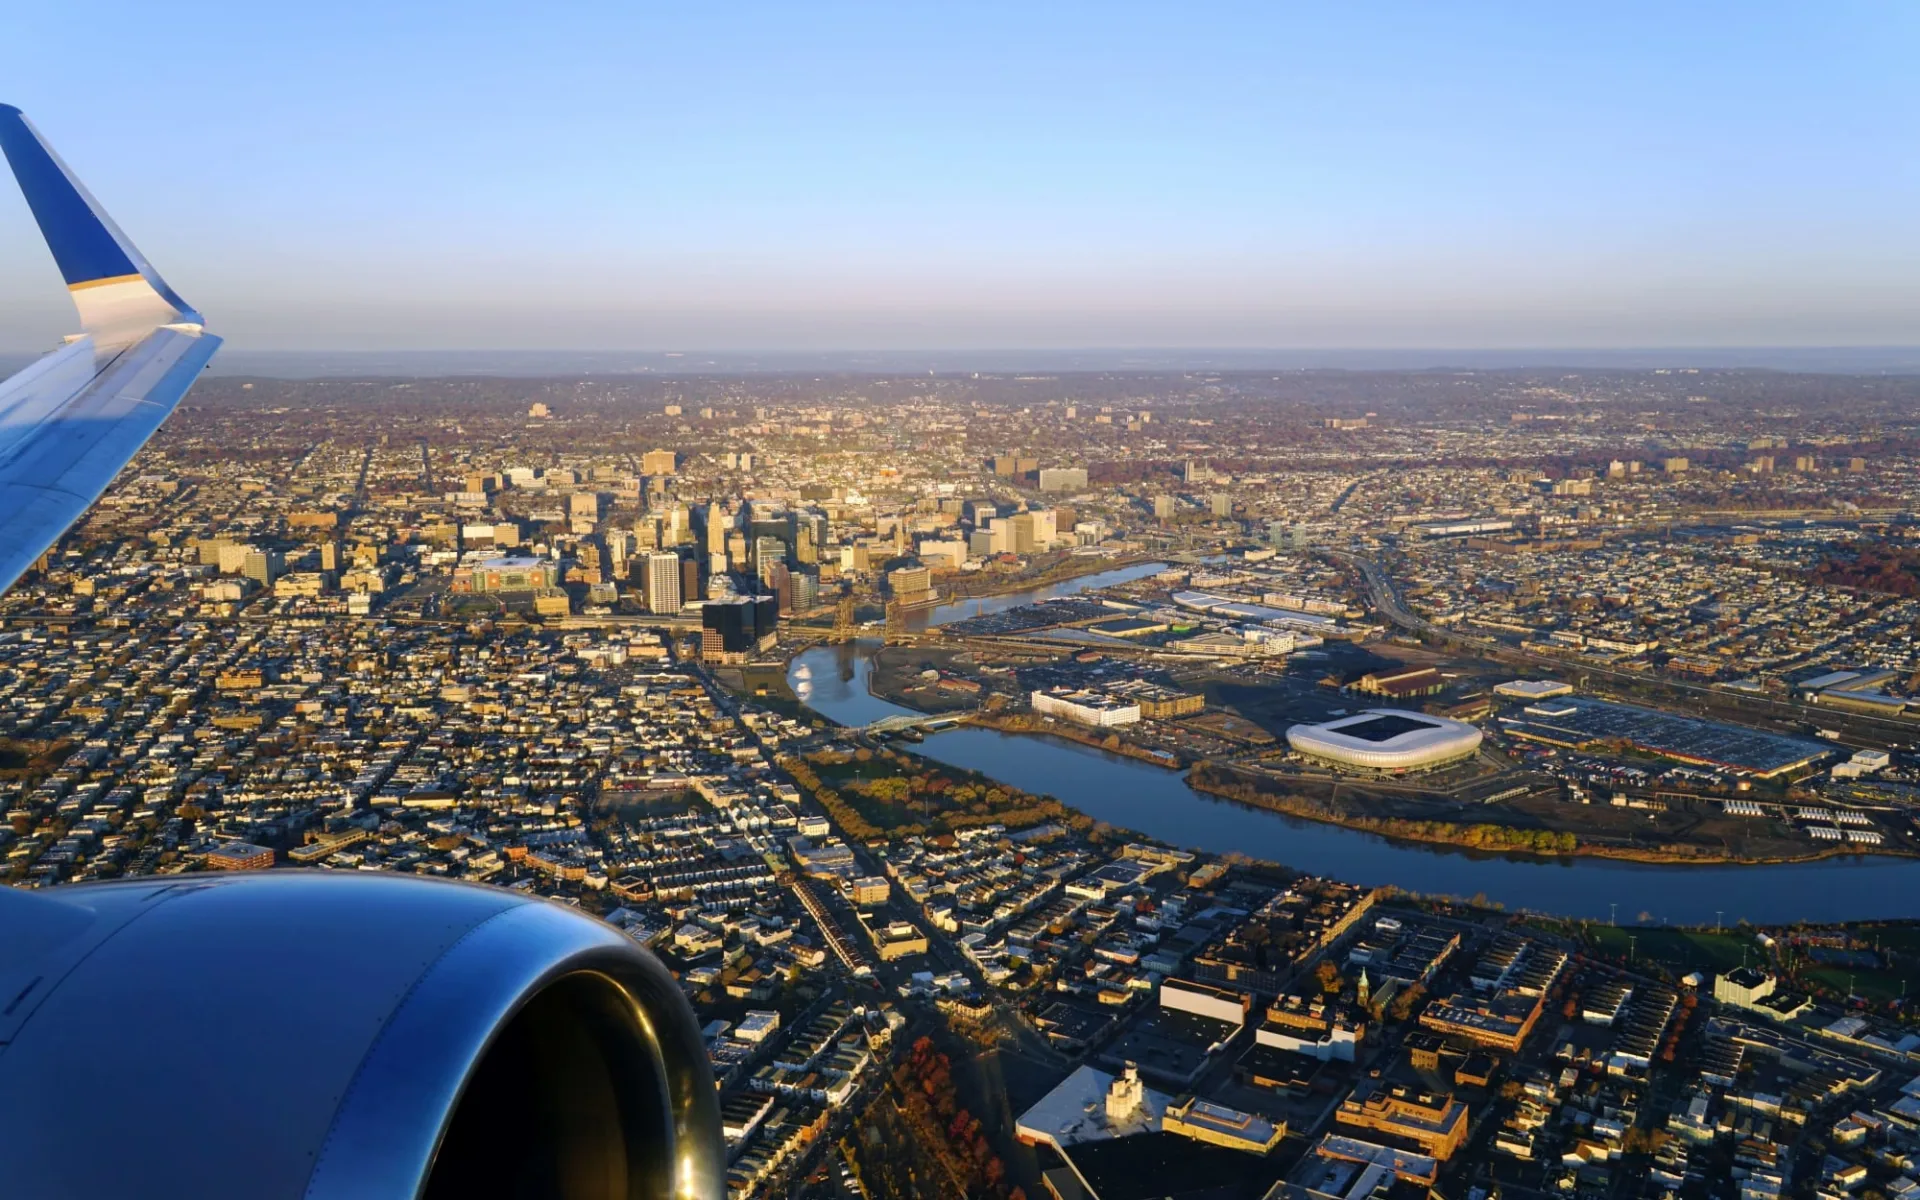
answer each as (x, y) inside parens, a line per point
(1386, 738)
(1076, 1111)
(1533, 688)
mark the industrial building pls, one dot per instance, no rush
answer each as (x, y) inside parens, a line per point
(1499, 1022)
(1435, 1122)
(1317, 1026)
(509, 574)
(1532, 689)
(1401, 684)
(1218, 1125)
(239, 856)
(1579, 724)
(1085, 707)
(1206, 1000)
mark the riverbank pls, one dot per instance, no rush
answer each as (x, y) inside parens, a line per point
(1544, 843)
(959, 587)
(1602, 833)
(1126, 793)
(1112, 743)
(896, 674)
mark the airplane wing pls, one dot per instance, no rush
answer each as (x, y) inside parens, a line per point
(333, 1034)
(73, 419)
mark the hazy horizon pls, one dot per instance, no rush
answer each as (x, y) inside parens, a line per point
(1902, 360)
(549, 363)
(773, 179)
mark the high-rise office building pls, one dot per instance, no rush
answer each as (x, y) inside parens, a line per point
(806, 591)
(1063, 479)
(911, 585)
(689, 579)
(766, 552)
(663, 583)
(1046, 528)
(719, 524)
(1020, 533)
(620, 548)
(263, 566)
(779, 581)
(726, 629)
(673, 525)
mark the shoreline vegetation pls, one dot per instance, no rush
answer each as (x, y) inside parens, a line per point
(887, 794)
(991, 586)
(1487, 837)
(1214, 780)
(1111, 743)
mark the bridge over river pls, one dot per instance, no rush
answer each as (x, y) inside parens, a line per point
(926, 723)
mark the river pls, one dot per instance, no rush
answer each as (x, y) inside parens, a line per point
(1158, 803)
(958, 610)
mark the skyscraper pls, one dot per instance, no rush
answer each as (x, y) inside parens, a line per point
(780, 581)
(663, 583)
(689, 579)
(766, 552)
(263, 566)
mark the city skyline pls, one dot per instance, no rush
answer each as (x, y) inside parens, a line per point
(859, 602)
(864, 178)
(1134, 734)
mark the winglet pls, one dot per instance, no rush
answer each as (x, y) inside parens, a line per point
(121, 298)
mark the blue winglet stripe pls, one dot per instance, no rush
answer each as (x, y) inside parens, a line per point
(82, 245)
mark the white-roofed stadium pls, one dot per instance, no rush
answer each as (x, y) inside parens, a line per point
(1386, 739)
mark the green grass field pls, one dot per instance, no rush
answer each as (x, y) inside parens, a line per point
(1875, 986)
(1899, 978)
(878, 767)
(1682, 950)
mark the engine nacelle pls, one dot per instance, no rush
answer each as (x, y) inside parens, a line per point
(341, 1035)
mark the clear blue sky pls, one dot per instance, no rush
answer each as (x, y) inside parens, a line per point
(900, 175)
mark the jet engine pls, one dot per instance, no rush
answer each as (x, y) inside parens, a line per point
(341, 1035)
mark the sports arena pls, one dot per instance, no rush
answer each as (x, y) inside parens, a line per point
(1386, 740)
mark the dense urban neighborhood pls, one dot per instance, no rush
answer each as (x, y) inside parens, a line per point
(904, 718)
